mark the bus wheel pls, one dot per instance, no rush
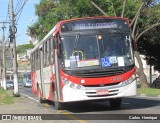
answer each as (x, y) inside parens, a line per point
(57, 104)
(115, 103)
(39, 97)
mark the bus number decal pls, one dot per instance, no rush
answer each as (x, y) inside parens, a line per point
(114, 79)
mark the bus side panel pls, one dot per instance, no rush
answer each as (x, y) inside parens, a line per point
(52, 82)
(46, 82)
(34, 82)
(38, 76)
(57, 88)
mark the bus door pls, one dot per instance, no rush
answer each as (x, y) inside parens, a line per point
(57, 75)
(41, 71)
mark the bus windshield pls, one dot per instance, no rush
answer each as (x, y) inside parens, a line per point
(96, 51)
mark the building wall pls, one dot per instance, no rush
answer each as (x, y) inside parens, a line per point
(146, 67)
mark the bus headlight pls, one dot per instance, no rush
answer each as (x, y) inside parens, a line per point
(128, 81)
(65, 81)
(78, 87)
(70, 84)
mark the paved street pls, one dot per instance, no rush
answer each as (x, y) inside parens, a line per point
(85, 110)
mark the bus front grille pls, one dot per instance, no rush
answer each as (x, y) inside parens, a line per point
(102, 95)
(97, 73)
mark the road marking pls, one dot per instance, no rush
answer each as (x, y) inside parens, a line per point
(60, 111)
(46, 105)
(29, 97)
(72, 116)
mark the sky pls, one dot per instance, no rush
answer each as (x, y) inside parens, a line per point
(26, 18)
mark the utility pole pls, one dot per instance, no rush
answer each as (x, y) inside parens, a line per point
(0, 76)
(15, 73)
(0, 67)
(4, 59)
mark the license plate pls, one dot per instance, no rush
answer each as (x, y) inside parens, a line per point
(102, 92)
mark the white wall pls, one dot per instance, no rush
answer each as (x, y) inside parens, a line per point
(146, 67)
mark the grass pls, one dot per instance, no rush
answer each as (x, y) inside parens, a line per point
(6, 97)
(149, 91)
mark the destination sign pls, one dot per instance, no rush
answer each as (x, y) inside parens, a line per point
(97, 25)
(88, 24)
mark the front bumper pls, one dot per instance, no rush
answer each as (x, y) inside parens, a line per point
(90, 93)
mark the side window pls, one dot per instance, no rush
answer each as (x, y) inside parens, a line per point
(49, 46)
(35, 60)
(48, 52)
(38, 56)
(45, 54)
(32, 61)
(52, 49)
(44, 59)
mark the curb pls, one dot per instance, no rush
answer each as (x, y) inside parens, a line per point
(29, 97)
(145, 95)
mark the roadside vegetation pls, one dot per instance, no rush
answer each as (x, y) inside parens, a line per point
(21, 49)
(149, 91)
(6, 97)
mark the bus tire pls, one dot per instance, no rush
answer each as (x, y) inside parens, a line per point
(39, 97)
(57, 104)
(115, 103)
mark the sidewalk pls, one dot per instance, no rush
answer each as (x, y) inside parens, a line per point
(23, 105)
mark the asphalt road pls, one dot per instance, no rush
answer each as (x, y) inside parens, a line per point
(132, 108)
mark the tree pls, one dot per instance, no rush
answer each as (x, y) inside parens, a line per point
(143, 14)
(149, 45)
(139, 29)
(46, 19)
(21, 49)
(142, 29)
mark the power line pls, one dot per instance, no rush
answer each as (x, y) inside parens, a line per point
(21, 7)
(19, 3)
(20, 10)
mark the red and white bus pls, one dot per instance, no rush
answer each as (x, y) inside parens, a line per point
(85, 59)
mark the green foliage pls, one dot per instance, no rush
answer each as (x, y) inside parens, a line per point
(5, 97)
(49, 13)
(149, 91)
(20, 49)
(149, 45)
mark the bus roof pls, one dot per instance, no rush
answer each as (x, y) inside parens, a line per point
(85, 18)
(56, 28)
